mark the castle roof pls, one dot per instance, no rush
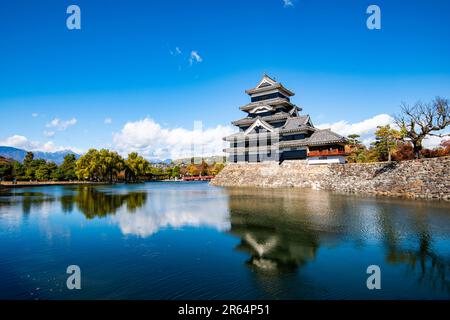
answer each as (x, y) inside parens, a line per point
(249, 120)
(268, 102)
(319, 137)
(267, 84)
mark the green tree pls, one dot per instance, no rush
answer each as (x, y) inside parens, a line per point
(67, 170)
(18, 170)
(53, 171)
(110, 164)
(29, 157)
(103, 165)
(6, 169)
(42, 172)
(135, 167)
(353, 140)
(87, 167)
(385, 143)
(29, 167)
(176, 172)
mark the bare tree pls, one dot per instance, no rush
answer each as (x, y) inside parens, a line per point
(423, 120)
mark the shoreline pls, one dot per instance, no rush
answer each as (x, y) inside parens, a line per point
(23, 184)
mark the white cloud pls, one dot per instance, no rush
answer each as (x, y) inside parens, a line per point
(176, 52)
(288, 3)
(432, 142)
(61, 125)
(49, 134)
(365, 128)
(15, 141)
(195, 57)
(108, 121)
(34, 115)
(22, 142)
(155, 142)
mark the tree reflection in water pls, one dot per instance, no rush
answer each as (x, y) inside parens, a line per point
(283, 230)
(28, 200)
(433, 269)
(94, 203)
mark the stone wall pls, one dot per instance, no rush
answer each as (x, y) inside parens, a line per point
(423, 178)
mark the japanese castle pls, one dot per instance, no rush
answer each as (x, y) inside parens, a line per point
(274, 130)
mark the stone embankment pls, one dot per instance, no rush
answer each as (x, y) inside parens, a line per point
(422, 178)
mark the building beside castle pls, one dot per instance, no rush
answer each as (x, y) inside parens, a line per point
(275, 130)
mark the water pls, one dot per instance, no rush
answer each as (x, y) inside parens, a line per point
(194, 241)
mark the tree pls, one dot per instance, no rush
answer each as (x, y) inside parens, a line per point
(29, 169)
(109, 164)
(67, 170)
(422, 120)
(135, 167)
(353, 140)
(6, 169)
(193, 170)
(358, 151)
(203, 168)
(403, 151)
(29, 157)
(87, 166)
(176, 172)
(446, 145)
(216, 168)
(385, 143)
(53, 171)
(103, 165)
(43, 170)
(18, 170)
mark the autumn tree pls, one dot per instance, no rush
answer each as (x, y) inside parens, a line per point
(216, 168)
(203, 168)
(403, 151)
(422, 120)
(193, 170)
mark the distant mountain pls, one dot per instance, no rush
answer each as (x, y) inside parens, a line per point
(208, 160)
(19, 154)
(167, 161)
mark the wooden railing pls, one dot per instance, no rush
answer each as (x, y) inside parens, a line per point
(333, 152)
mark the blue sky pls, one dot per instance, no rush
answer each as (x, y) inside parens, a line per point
(134, 62)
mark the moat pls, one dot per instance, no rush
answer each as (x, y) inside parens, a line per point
(190, 240)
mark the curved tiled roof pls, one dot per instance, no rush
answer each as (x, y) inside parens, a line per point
(250, 120)
(319, 137)
(276, 85)
(270, 102)
(296, 122)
